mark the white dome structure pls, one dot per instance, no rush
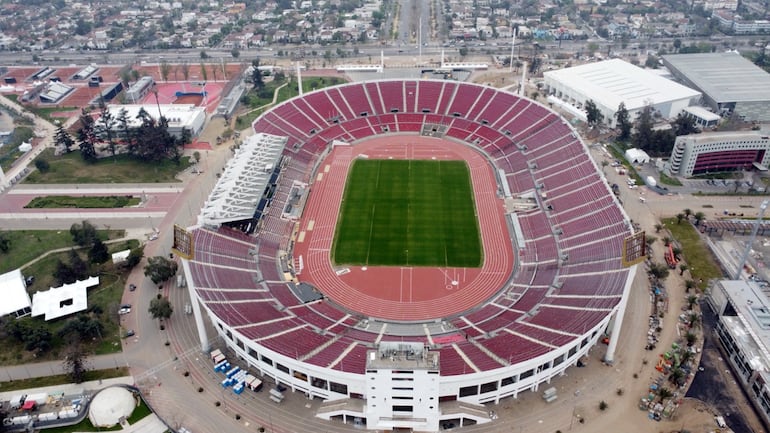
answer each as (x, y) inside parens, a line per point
(110, 405)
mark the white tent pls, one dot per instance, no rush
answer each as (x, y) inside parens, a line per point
(110, 405)
(120, 256)
(64, 300)
(13, 291)
(637, 156)
(25, 147)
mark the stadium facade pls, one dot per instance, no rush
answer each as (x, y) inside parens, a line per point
(729, 82)
(612, 82)
(567, 289)
(712, 152)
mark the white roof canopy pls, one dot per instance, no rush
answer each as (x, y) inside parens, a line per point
(120, 256)
(238, 191)
(13, 291)
(614, 81)
(64, 300)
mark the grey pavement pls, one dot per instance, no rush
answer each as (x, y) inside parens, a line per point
(119, 188)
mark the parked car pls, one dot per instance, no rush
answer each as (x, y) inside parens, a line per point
(131, 287)
(123, 311)
(129, 333)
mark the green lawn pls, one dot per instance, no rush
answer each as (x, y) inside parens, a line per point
(26, 245)
(408, 213)
(82, 202)
(702, 264)
(70, 168)
(103, 300)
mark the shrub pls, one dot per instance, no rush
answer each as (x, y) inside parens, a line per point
(42, 165)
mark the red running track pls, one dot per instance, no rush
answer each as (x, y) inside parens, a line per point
(403, 293)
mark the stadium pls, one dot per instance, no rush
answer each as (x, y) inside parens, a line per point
(397, 337)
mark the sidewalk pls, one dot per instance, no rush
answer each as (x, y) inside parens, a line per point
(49, 368)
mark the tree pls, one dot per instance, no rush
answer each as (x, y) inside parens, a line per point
(658, 227)
(688, 285)
(204, 55)
(160, 269)
(235, 52)
(664, 393)
(87, 137)
(38, 339)
(644, 134)
(185, 70)
(160, 308)
(105, 129)
(5, 242)
(63, 138)
(593, 115)
(692, 319)
(684, 125)
(623, 122)
(679, 218)
(699, 217)
(122, 122)
(691, 338)
(204, 72)
(687, 213)
(84, 233)
(165, 68)
(75, 363)
(42, 165)
(81, 326)
(256, 75)
(134, 257)
(677, 44)
(683, 267)
(98, 252)
(463, 51)
(214, 68)
(676, 375)
(63, 273)
(603, 405)
(78, 266)
(659, 271)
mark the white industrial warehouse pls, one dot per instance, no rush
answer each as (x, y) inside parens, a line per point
(611, 82)
(179, 116)
(729, 82)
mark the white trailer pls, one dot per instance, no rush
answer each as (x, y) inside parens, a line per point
(39, 398)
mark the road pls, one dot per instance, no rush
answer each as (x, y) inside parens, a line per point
(404, 44)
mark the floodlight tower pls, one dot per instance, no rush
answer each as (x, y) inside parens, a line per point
(753, 237)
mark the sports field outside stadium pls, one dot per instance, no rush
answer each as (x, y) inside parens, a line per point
(408, 213)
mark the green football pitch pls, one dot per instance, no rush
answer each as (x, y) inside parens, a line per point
(408, 213)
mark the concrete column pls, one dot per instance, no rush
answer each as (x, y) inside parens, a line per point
(202, 335)
(609, 357)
